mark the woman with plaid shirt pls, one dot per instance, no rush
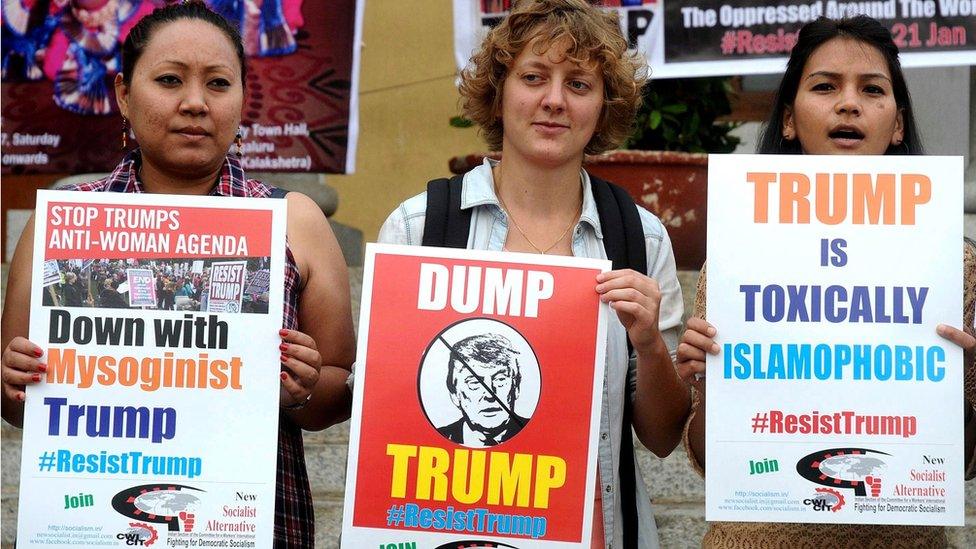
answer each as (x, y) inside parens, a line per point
(182, 91)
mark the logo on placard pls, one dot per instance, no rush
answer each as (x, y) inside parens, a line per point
(857, 469)
(475, 544)
(169, 504)
(826, 499)
(139, 533)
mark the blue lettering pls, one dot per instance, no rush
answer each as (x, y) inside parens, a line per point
(842, 357)
(750, 291)
(797, 308)
(835, 312)
(860, 305)
(412, 515)
(426, 518)
(799, 361)
(862, 362)
(903, 363)
(879, 303)
(155, 424)
(774, 366)
(822, 361)
(882, 362)
(935, 354)
(917, 298)
(774, 302)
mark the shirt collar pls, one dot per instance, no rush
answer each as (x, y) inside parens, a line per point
(479, 190)
(125, 177)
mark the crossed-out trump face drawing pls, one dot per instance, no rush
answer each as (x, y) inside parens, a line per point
(479, 382)
(484, 380)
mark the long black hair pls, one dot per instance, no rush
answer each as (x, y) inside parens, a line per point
(813, 35)
(140, 35)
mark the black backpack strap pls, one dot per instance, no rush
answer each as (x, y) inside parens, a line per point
(445, 223)
(623, 240)
(623, 233)
(278, 192)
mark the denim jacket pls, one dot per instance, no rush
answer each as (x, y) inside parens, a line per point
(489, 230)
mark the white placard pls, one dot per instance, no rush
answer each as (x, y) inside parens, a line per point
(135, 434)
(833, 399)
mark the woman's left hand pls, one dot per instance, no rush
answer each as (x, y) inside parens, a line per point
(301, 362)
(636, 298)
(960, 338)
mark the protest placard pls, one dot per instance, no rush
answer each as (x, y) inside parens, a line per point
(142, 287)
(134, 435)
(258, 284)
(833, 399)
(479, 423)
(52, 273)
(226, 290)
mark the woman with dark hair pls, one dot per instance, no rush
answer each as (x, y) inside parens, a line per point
(552, 82)
(855, 33)
(843, 93)
(181, 91)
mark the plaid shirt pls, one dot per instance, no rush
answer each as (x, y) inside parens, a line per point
(294, 519)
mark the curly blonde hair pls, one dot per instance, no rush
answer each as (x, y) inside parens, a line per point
(593, 36)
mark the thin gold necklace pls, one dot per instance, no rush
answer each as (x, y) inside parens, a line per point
(515, 224)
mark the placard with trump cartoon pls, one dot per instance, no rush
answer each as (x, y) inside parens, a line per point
(475, 412)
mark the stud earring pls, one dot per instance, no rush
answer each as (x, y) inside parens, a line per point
(239, 141)
(125, 133)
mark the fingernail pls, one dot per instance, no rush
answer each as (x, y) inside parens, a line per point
(284, 358)
(283, 347)
(22, 397)
(284, 376)
(715, 348)
(710, 331)
(283, 332)
(42, 367)
(38, 352)
(36, 377)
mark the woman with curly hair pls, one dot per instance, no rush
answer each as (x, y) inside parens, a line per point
(552, 82)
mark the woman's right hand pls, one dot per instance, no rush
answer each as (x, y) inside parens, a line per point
(21, 367)
(696, 342)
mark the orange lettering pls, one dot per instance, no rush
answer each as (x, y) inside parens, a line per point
(762, 180)
(915, 189)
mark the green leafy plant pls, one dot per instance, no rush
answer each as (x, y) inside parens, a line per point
(461, 122)
(680, 115)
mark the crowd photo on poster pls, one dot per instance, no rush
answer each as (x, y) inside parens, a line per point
(209, 285)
